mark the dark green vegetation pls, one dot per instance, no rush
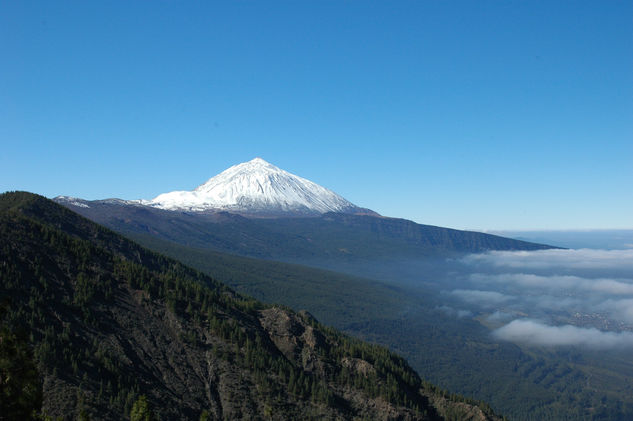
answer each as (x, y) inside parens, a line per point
(115, 331)
(20, 391)
(458, 354)
(336, 298)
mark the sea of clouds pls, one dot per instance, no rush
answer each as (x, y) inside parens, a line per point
(553, 297)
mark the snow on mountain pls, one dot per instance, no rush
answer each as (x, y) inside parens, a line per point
(256, 187)
(74, 201)
(82, 203)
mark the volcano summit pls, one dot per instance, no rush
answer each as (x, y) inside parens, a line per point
(259, 188)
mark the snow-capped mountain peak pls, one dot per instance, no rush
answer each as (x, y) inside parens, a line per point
(256, 187)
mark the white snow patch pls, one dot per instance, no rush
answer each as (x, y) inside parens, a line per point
(79, 204)
(254, 186)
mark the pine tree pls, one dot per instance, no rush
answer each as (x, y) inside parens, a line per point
(141, 410)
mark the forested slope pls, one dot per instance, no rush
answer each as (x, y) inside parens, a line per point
(103, 323)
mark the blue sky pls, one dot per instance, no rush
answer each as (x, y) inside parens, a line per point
(474, 114)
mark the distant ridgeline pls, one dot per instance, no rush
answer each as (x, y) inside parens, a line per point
(94, 326)
(258, 210)
(320, 240)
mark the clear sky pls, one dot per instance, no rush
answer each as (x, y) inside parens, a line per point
(466, 114)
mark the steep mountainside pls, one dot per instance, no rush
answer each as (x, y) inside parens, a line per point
(109, 322)
(320, 240)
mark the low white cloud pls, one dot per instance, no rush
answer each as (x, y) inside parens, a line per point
(464, 313)
(499, 316)
(459, 313)
(481, 297)
(536, 333)
(544, 259)
(610, 286)
(557, 282)
(548, 303)
(585, 295)
(619, 309)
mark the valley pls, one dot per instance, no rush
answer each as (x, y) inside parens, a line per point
(455, 352)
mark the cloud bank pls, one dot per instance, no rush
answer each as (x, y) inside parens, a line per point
(558, 282)
(543, 259)
(458, 313)
(481, 297)
(536, 333)
(580, 297)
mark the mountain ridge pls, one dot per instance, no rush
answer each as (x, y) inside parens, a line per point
(314, 240)
(284, 215)
(111, 323)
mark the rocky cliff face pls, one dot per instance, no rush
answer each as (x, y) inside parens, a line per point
(109, 321)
